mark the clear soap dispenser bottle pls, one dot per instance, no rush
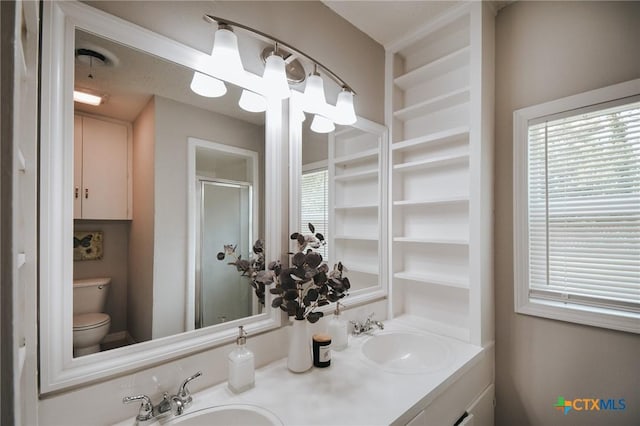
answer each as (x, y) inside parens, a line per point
(241, 365)
(338, 330)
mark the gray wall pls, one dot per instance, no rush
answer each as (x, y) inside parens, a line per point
(545, 51)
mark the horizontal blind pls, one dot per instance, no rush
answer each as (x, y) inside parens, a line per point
(584, 208)
(314, 203)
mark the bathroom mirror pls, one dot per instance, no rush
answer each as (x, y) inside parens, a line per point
(339, 183)
(185, 135)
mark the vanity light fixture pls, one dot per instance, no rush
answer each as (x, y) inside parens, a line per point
(252, 102)
(344, 105)
(321, 124)
(86, 98)
(275, 76)
(314, 91)
(225, 53)
(282, 67)
(207, 86)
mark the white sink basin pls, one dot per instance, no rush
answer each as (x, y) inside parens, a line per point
(407, 352)
(233, 414)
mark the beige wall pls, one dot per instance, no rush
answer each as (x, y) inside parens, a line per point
(545, 51)
(175, 123)
(142, 226)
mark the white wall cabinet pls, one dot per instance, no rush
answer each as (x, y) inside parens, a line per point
(439, 109)
(102, 169)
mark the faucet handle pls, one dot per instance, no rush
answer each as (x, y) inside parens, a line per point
(146, 408)
(183, 391)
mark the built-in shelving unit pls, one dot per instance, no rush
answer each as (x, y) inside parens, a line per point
(439, 190)
(356, 200)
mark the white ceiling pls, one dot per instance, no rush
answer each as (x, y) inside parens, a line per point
(387, 21)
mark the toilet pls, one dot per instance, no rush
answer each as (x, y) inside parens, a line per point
(90, 323)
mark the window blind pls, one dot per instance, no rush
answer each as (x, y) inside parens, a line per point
(314, 203)
(584, 208)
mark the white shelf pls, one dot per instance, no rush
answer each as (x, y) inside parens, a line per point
(356, 175)
(22, 356)
(364, 269)
(445, 136)
(347, 132)
(455, 199)
(442, 280)
(21, 259)
(22, 164)
(455, 97)
(356, 207)
(356, 156)
(442, 65)
(433, 162)
(357, 237)
(450, 241)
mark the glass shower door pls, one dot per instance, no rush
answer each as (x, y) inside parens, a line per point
(225, 210)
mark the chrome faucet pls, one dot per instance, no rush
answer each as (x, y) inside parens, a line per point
(183, 398)
(169, 405)
(359, 328)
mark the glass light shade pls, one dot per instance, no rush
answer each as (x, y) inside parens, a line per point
(346, 112)
(275, 77)
(314, 92)
(225, 54)
(321, 124)
(252, 102)
(205, 85)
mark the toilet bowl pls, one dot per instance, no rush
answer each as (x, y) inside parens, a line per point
(90, 323)
(88, 332)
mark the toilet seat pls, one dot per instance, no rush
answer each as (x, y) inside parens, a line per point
(89, 321)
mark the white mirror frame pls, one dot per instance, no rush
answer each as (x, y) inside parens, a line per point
(58, 368)
(365, 295)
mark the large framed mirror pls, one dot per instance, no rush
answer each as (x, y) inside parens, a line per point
(150, 184)
(339, 184)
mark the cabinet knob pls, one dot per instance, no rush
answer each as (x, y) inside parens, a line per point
(86, 193)
(76, 192)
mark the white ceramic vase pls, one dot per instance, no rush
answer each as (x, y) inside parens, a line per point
(300, 357)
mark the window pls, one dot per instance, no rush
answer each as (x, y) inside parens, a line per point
(314, 203)
(577, 208)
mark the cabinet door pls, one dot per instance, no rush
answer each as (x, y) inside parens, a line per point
(77, 167)
(104, 170)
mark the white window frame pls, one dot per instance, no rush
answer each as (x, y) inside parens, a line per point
(524, 303)
(317, 166)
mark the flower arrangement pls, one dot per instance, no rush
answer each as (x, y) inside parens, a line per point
(248, 267)
(306, 285)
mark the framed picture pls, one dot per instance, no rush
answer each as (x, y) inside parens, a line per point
(87, 245)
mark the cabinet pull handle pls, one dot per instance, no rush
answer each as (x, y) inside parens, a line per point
(77, 191)
(86, 193)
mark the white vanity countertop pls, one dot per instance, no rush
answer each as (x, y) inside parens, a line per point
(352, 391)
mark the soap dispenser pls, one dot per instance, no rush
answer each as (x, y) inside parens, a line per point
(338, 329)
(241, 365)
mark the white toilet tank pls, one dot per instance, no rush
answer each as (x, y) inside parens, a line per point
(90, 295)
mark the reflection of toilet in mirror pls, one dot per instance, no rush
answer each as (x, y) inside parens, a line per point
(90, 323)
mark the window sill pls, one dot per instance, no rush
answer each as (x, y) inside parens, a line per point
(581, 314)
